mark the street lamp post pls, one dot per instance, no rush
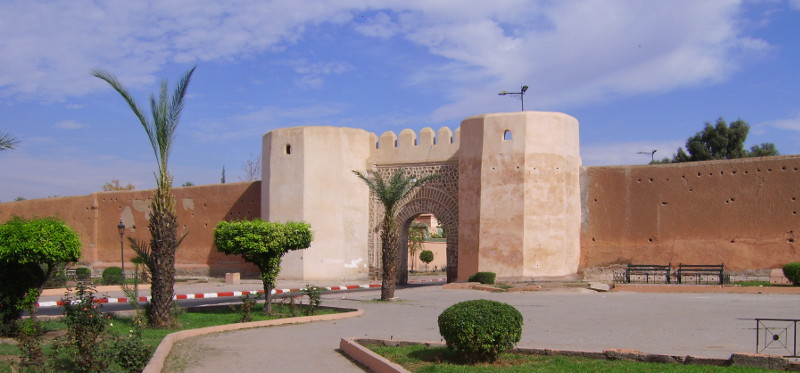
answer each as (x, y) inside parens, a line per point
(121, 228)
(521, 94)
(652, 154)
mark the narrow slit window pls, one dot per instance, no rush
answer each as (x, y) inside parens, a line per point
(288, 149)
(507, 135)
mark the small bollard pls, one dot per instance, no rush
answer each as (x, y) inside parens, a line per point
(232, 278)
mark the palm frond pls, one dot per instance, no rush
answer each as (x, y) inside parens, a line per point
(143, 252)
(7, 141)
(398, 187)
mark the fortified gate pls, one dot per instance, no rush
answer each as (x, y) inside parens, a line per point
(508, 196)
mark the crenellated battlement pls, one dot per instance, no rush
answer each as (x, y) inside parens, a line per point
(430, 146)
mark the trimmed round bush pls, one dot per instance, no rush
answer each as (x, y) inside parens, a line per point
(83, 273)
(483, 277)
(479, 330)
(792, 272)
(426, 256)
(112, 276)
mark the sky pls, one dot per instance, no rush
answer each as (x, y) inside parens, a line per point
(638, 75)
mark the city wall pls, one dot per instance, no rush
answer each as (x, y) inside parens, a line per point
(95, 217)
(743, 213)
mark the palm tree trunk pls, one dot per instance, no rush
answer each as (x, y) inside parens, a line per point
(389, 243)
(163, 231)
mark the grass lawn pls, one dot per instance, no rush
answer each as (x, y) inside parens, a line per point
(419, 358)
(121, 326)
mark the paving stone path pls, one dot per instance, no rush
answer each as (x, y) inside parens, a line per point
(709, 325)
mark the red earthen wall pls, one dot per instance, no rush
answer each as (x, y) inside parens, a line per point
(95, 218)
(743, 213)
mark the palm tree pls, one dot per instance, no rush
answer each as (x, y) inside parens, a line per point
(391, 193)
(163, 225)
(7, 141)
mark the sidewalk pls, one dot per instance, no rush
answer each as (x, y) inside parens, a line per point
(217, 288)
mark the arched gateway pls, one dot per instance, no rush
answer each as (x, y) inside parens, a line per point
(509, 195)
(438, 197)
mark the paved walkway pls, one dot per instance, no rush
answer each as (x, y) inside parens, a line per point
(710, 325)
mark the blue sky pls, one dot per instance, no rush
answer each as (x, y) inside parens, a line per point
(638, 75)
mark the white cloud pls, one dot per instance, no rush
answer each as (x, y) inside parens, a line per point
(625, 153)
(311, 73)
(794, 4)
(70, 125)
(790, 124)
(258, 122)
(380, 26)
(48, 48)
(569, 52)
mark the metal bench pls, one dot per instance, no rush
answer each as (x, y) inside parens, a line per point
(700, 270)
(648, 271)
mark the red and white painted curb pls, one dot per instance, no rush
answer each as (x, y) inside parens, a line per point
(222, 294)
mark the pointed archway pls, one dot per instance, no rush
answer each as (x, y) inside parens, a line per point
(438, 197)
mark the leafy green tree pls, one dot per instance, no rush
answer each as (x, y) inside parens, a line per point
(116, 185)
(262, 243)
(720, 141)
(7, 141)
(426, 256)
(163, 225)
(763, 150)
(390, 193)
(30, 251)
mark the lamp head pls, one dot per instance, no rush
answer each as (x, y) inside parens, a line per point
(121, 227)
(524, 88)
(503, 93)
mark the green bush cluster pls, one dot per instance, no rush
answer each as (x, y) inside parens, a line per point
(89, 345)
(31, 250)
(483, 277)
(112, 276)
(479, 330)
(426, 256)
(792, 272)
(83, 273)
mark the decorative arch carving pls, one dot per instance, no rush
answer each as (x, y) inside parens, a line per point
(438, 197)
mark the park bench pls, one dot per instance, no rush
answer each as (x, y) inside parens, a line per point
(656, 272)
(698, 271)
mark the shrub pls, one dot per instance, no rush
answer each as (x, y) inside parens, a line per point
(85, 344)
(792, 272)
(83, 273)
(246, 308)
(426, 256)
(132, 354)
(479, 330)
(483, 277)
(30, 251)
(112, 276)
(16, 280)
(314, 294)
